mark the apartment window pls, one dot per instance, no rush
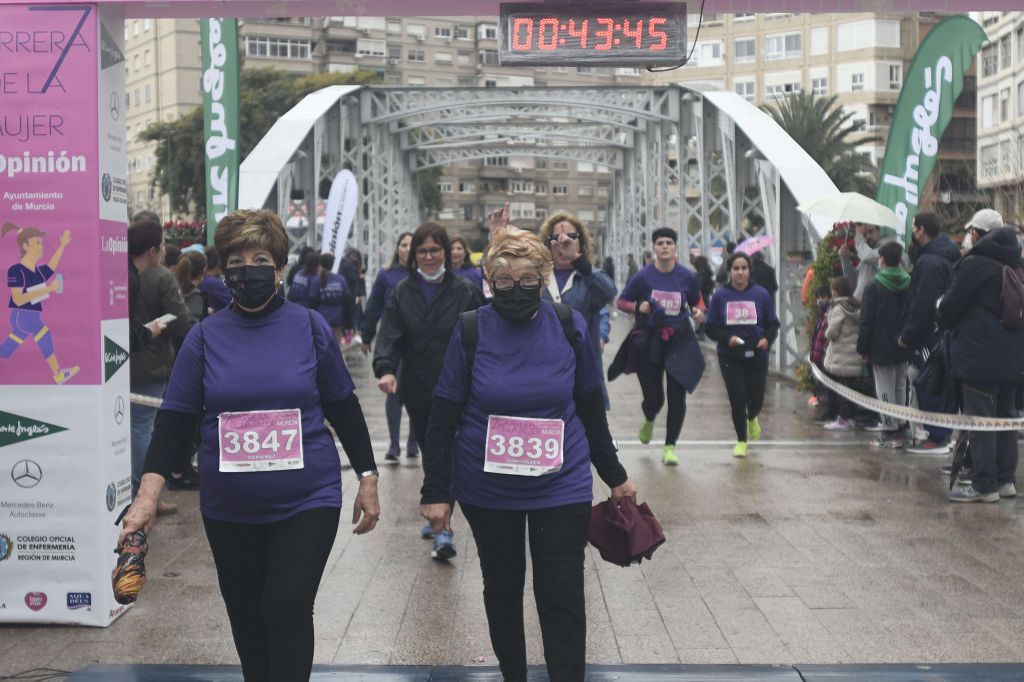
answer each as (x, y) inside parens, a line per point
(394, 52)
(744, 50)
(467, 212)
(416, 31)
(489, 57)
(135, 28)
(1020, 99)
(138, 99)
(585, 191)
(602, 191)
(540, 188)
(522, 188)
(745, 89)
(540, 213)
(1007, 155)
(444, 58)
(895, 76)
(446, 187)
(444, 82)
(147, 58)
(856, 81)
(147, 24)
(415, 80)
(464, 58)
(783, 46)
(711, 54)
(467, 187)
(462, 32)
(540, 164)
(394, 28)
(743, 16)
(560, 190)
(989, 60)
(1004, 105)
(487, 32)
(415, 56)
(1004, 51)
(587, 70)
(560, 165)
(868, 34)
(819, 40)
(149, 93)
(443, 32)
(135, 63)
(370, 48)
(819, 87)
(781, 90)
(496, 161)
(988, 111)
(280, 48)
(1020, 45)
(490, 83)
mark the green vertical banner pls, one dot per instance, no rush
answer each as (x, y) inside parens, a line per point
(219, 38)
(925, 107)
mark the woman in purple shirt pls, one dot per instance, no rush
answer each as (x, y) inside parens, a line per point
(742, 320)
(461, 265)
(260, 379)
(512, 436)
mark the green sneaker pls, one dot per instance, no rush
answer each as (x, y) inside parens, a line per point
(646, 431)
(740, 450)
(669, 456)
(753, 429)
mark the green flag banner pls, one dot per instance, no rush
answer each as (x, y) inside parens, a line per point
(930, 87)
(219, 38)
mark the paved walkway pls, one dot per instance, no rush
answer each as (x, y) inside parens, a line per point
(816, 549)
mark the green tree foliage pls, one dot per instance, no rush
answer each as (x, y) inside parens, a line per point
(823, 129)
(430, 192)
(265, 95)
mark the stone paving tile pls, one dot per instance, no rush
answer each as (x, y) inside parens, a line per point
(707, 656)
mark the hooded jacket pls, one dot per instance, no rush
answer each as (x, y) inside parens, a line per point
(981, 348)
(880, 314)
(933, 270)
(841, 358)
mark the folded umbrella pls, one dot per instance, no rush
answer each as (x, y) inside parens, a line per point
(624, 533)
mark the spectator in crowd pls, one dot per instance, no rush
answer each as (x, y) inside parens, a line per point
(631, 267)
(462, 265)
(189, 272)
(880, 315)
(217, 294)
(298, 265)
(986, 356)
(608, 268)
(866, 240)
(706, 283)
(827, 401)
(352, 269)
(841, 359)
(648, 258)
(722, 274)
(172, 254)
(934, 256)
(763, 274)
(302, 285)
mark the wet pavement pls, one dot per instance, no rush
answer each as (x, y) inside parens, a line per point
(816, 549)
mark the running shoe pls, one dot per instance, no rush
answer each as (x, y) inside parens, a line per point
(64, 374)
(740, 450)
(1008, 490)
(646, 431)
(669, 456)
(412, 450)
(427, 531)
(928, 447)
(393, 453)
(875, 427)
(969, 494)
(840, 424)
(753, 429)
(444, 547)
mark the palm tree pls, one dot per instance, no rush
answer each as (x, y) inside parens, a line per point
(824, 130)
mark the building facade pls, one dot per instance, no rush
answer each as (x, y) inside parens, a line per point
(1000, 165)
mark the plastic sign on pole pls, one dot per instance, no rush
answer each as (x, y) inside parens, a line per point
(219, 38)
(341, 209)
(64, 414)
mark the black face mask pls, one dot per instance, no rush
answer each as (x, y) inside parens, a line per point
(251, 285)
(517, 305)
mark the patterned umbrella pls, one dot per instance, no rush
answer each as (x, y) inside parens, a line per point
(752, 245)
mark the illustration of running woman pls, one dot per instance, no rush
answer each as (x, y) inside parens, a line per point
(28, 284)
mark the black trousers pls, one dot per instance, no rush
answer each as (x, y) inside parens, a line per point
(993, 453)
(558, 537)
(745, 381)
(269, 574)
(845, 408)
(419, 416)
(651, 376)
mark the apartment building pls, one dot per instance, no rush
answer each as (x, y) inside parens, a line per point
(1000, 167)
(448, 52)
(860, 57)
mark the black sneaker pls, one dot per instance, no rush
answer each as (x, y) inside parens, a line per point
(412, 450)
(393, 453)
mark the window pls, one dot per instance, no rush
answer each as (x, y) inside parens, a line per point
(541, 164)
(856, 81)
(135, 28)
(781, 90)
(281, 48)
(819, 40)
(443, 32)
(585, 191)
(464, 58)
(488, 57)
(467, 212)
(743, 16)
(783, 46)
(146, 59)
(415, 80)
(487, 32)
(1020, 99)
(560, 190)
(602, 191)
(135, 63)
(988, 111)
(415, 56)
(490, 83)
(370, 48)
(989, 60)
(416, 31)
(394, 28)
(819, 86)
(522, 188)
(466, 187)
(868, 34)
(138, 100)
(540, 188)
(587, 70)
(745, 89)
(560, 165)
(394, 52)
(1005, 51)
(147, 24)
(744, 50)
(496, 161)
(446, 187)
(462, 33)
(711, 54)
(149, 93)
(1004, 105)
(895, 76)
(444, 82)
(444, 58)
(1006, 154)
(1020, 46)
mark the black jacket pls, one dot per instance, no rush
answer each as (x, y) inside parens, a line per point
(981, 348)
(416, 335)
(880, 314)
(763, 275)
(933, 270)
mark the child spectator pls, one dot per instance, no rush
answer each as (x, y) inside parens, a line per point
(841, 359)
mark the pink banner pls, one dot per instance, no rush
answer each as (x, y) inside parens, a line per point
(50, 326)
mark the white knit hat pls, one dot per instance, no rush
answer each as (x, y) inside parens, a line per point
(985, 220)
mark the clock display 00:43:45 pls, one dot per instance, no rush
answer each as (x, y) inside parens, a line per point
(601, 33)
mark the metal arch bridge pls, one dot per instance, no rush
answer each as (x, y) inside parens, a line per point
(702, 160)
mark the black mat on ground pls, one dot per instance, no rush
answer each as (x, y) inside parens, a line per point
(946, 672)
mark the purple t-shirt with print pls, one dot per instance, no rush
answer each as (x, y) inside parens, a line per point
(675, 291)
(525, 370)
(233, 363)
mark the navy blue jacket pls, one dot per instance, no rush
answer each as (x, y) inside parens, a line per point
(933, 270)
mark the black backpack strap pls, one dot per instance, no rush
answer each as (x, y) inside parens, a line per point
(468, 333)
(564, 313)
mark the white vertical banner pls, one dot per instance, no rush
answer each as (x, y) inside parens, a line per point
(341, 210)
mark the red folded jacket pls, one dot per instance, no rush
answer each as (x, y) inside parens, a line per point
(625, 534)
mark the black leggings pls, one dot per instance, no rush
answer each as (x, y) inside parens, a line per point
(269, 574)
(419, 417)
(650, 376)
(745, 381)
(558, 538)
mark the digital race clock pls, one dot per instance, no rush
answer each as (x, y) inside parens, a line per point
(567, 33)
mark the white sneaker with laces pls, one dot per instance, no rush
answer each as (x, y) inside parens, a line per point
(1008, 490)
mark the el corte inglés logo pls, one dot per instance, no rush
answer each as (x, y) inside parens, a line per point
(17, 429)
(114, 357)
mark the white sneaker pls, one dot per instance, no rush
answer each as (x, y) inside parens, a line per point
(1008, 490)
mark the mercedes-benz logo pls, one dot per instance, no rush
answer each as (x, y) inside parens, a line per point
(119, 410)
(115, 106)
(26, 474)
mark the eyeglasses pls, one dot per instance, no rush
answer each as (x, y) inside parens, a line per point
(524, 282)
(429, 253)
(571, 235)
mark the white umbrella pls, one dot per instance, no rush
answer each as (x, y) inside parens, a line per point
(854, 207)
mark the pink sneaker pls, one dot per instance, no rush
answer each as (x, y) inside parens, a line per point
(840, 424)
